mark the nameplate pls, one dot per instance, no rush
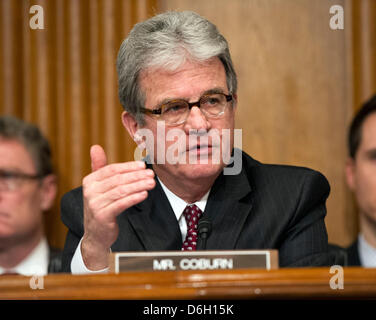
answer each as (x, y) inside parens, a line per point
(193, 260)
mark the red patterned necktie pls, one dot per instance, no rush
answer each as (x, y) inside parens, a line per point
(192, 214)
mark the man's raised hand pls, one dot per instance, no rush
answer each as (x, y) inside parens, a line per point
(107, 191)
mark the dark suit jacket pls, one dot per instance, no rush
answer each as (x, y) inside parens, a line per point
(263, 207)
(353, 254)
(54, 264)
(350, 254)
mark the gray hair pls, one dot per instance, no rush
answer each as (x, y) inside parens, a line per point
(166, 41)
(32, 139)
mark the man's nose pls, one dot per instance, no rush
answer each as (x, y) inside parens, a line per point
(196, 120)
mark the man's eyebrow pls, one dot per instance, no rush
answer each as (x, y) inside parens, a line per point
(214, 90)
(11, 170)
(210, 91)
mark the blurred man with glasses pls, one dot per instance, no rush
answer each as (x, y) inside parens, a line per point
(27, 189)
(178, 87)
(361, 179)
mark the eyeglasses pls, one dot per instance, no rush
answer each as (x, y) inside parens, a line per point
(11, 181)
(176, 112)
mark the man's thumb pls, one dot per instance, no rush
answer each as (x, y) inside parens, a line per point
(98, 157)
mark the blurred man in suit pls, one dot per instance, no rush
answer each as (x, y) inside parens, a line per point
(27, 189)
(178, 87)
(361, 178)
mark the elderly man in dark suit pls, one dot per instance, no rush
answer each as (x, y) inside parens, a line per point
(178, 87)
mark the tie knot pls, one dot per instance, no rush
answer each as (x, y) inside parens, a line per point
(192, 214)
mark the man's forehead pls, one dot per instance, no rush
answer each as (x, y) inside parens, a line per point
(19, 155)
(11, 142)
(368, 135)
(192, 77)
(369, 127)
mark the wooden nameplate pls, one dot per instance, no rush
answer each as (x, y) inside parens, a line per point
(193, 260)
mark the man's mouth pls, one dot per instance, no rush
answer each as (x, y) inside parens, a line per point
(200, 149)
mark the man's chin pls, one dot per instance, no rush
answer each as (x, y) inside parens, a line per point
(190, 171)
(200, 170)
(5, 233)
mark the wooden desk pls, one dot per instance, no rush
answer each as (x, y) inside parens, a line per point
(227, 284)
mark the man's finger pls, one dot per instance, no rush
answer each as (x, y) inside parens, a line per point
(106, 198)
(98, 157)
(122, 179)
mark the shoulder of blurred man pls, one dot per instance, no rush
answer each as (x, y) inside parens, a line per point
(349, 255)
(353, 254)
(264, 206)
(55, 263)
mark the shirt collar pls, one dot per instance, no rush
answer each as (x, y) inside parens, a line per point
(178, 204)
(367, 253)
(36, 263)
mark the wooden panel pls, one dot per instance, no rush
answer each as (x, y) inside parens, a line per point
(299, 82)
(63, 79)
(295, 87)
(226, 284)
(364, 50)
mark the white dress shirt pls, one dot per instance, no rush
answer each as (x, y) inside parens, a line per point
(35, 264)
(178, 205)
(367, 253)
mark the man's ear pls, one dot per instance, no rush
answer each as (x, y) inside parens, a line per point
(130, 123)
(48, 191)
(234, 102)
(235, 97)
(350, 173)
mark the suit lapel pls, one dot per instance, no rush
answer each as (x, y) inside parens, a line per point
(155, 223)
(353, 255)
(228, 207)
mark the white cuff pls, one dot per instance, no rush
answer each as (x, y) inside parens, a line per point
(78, 265)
